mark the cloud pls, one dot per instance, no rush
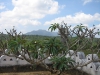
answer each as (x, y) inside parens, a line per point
(27, 12)
(35, 9)
(62, 6)
(86, 1)
(2, 6)
(76, 19)
(97, 26)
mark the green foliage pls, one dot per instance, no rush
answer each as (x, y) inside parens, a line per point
(37, 46)
(54, 46)
(13, 45)
(80, 27)
(61, 62)
(53, 27)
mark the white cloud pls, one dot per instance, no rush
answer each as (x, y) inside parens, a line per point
(97, 26)
(85, 19)
(86, 1)
(2, 6)
(76, 19)
(36, 9)
(63, 6)
(29, 22)
(27, 12)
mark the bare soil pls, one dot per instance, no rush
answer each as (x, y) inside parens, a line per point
(32, 73)
(30, 70)
(28, 73)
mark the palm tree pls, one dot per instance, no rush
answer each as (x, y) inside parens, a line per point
(53, 27)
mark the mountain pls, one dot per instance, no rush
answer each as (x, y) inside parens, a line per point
(43, 33)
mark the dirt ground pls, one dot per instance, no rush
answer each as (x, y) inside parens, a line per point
(28, 73)
(28, 70)
(31, 73)
(42, 73)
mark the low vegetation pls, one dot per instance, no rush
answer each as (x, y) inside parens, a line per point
(79, 38)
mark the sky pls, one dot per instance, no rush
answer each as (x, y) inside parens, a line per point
(29, 15)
